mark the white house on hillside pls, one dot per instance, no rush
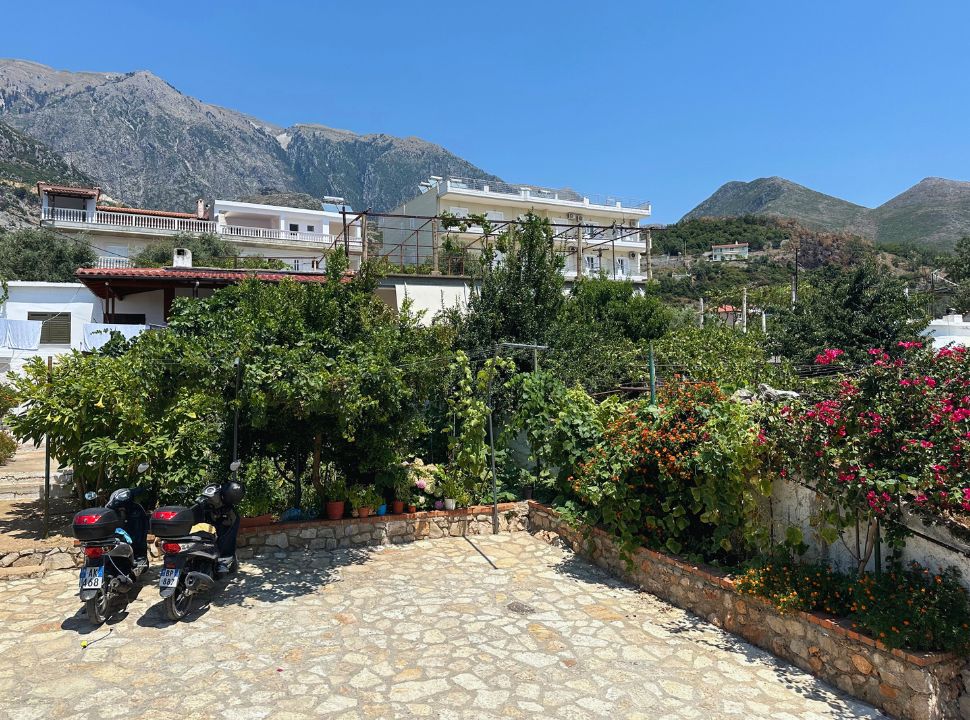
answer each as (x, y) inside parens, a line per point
(299, 238)
(605, 230)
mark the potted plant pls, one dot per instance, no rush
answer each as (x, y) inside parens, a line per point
(336, 498)
(257, 504)
(402, 493)
(450, 491)
(364, 499)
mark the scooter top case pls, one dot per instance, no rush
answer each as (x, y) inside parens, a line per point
(95, 524)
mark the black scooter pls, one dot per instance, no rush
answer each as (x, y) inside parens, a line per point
(115, 544)
(189, 538)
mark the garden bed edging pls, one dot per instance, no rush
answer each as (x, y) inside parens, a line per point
(912, 686)
(379, 529)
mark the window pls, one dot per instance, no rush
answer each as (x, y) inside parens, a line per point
(592, 263)
(56, 329)
(128, 318)
(458, 211)
(310, 228)
(294, 227)
(621, 267)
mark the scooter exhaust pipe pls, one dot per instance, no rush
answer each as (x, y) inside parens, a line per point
(198, 582)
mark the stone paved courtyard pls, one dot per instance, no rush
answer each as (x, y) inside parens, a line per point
(486, 627)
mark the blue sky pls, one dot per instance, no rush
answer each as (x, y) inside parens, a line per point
(654, 100)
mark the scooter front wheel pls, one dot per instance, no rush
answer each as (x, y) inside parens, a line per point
(97, 607)
(177, 604)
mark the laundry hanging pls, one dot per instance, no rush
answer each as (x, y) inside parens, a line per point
(20, 334)
(97, 334)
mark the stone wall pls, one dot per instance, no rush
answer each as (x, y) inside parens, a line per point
(379, 530)
(30, 562)
(914, 686)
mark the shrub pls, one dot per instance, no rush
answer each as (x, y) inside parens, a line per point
(902, 607)
(8, 446)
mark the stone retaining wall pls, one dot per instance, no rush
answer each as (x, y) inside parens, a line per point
(914, 686)
(30, 562)
(379, 530)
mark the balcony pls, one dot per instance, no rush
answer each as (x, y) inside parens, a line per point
(160, 225)
(499, 189)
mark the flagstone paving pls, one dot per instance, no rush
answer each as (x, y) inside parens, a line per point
(485, 627)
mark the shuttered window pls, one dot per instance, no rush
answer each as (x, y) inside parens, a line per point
(56, 329)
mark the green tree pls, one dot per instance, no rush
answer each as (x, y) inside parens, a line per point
(42, 255)
(599, 336)
(851, 309)
(208, 250)
(521, 289)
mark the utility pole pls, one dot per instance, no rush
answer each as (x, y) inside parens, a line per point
(701, 319)
(579, 249)
(363, 236)
(744, 310)
(653, 378)
(764, 323)
(794, 282)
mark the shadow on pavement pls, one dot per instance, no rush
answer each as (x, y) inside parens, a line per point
(78, 622)
(267, 579)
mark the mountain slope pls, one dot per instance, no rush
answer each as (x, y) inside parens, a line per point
(778, 197)
(24, 161)
(148, 144)
(934, 213)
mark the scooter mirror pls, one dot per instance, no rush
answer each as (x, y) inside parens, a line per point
(142, 467)
(235, 465)
(90, 495)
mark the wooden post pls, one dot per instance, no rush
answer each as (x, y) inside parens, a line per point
(649, 255)
(579, 251)
(363, 237)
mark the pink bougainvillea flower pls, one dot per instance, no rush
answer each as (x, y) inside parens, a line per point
(828, 356)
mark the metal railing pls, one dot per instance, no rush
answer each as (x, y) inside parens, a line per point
(113, 262)
(158, 223)
(498, 187)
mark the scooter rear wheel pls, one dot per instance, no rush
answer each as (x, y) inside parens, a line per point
(97, 608)
(177, 604)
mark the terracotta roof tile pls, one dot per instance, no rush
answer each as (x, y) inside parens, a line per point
(142, 211)
(226, 274)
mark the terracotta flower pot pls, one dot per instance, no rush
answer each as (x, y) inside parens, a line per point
(397, 507)
(256, 520)
(364, 512)
(335, 510)
(412, 508)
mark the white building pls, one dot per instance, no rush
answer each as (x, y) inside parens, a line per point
(729, 252)
(951, 329)
(604, 231)
(297, 237)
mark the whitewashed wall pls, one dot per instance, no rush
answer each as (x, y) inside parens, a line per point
(794, 505)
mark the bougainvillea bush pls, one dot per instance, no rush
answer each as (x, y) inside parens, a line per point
(871, 441)
(681, 475)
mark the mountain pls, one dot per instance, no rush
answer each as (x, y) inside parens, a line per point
(778, 197)
(934, 213)
(24, 161)
(147, 144)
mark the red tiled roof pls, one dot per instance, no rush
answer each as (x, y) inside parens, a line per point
(142, 211)
(731, 245)
(191, 274)
(71, 190)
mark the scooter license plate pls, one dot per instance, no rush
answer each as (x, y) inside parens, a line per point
(169, 577)
(92, 577)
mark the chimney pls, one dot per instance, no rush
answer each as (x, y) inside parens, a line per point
(182, 258)
(208, 212)
(200, 209)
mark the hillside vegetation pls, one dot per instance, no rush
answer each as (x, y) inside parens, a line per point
(933, 214)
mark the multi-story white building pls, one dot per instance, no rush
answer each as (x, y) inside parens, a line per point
(300, 238)
(729, 252)
(603, 231)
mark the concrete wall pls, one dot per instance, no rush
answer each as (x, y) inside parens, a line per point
(795, 505)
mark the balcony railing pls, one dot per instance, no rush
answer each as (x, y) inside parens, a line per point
(113, 262)
(155, 224)
(498, 187)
